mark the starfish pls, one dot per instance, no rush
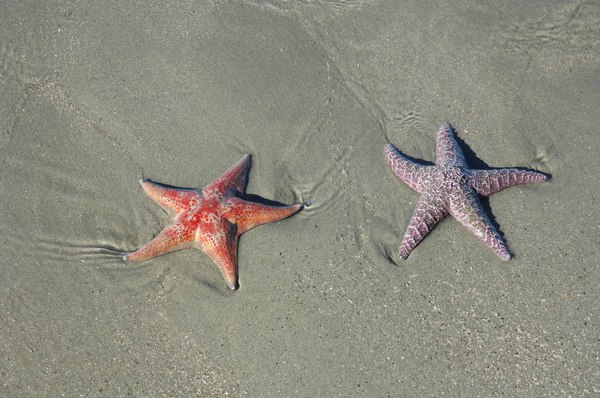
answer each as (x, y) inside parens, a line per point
(450, 186)
(210, 219)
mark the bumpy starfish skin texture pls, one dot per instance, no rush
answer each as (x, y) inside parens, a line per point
(449, 186)
(210, 219)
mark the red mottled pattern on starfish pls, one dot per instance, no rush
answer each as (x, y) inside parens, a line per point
(210, 219)
(450, 186)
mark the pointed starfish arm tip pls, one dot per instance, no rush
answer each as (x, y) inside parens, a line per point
(232, 284)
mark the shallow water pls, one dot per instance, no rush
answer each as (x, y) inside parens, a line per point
(96, 96)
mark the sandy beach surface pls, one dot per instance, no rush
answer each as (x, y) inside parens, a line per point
(95, 95)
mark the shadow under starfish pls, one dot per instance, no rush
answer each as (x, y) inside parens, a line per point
(449, 186)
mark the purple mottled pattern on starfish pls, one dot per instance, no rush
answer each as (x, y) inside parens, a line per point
(449, 186)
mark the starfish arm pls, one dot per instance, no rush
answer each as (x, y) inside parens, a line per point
(232, 180)
(247, 215)
(172, 200)
(428, 212)
(487, 182)
(218, 238)
(174, 237)
(447, 150)
(408, 172)
(466, 208)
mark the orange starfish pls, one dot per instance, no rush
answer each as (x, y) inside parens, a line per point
(210, 219)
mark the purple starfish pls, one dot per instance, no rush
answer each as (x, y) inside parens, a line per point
(450, 186)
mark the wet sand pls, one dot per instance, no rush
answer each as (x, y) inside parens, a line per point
(96, 95)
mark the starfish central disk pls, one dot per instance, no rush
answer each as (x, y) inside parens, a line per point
(451, 187)
(210, 219)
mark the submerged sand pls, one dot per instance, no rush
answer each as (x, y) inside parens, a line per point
(96, 95)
